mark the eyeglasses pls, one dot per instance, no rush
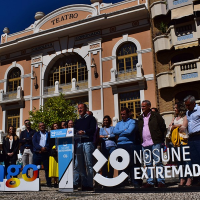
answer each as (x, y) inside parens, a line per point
(27, 123)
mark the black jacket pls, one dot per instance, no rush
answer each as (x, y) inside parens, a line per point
(14, 149)
(27, 140)
(87, 124)
(157, 127)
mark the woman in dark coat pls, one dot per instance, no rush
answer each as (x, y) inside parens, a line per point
(10, 147)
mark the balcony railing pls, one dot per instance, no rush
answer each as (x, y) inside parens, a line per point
(128, 74)
(81, 85)
(10, 96)
(182, 72)
(49, 90)
(188, 66)
(64, 88)
(172, 4)
(158, 8)
(177, 39)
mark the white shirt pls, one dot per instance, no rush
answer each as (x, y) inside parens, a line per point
(43, 139)
(11, 142)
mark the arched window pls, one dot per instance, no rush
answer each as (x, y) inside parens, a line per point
(127, 57)
(66, 68)
(14, 79)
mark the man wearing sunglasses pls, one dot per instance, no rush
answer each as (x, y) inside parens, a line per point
(26, 144)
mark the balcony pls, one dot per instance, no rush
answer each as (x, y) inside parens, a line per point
(172, 4)
(188, 71)
(179, 38)
(158, 8)
(161, 43)
(165, 80)
(72, 87)
(128, 76)
(182, 72)
(11, 96)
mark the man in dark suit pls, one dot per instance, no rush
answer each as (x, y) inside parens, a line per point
(26, 148)
(85, 127)
(41, 147)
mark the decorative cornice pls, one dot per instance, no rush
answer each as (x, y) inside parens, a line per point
(108, 58)
(3, 80)
(149, 77)
(116, 4)
(62, 10)
(26, 75)
(144, 50)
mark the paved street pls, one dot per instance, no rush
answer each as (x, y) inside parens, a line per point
(127, 193)
(171, 192)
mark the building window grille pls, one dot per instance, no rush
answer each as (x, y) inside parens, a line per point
(66, 68)
(13, 118)
(14, 79)
(127, 57)
(131, 100)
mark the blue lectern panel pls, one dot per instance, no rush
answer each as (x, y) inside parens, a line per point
(65, 155)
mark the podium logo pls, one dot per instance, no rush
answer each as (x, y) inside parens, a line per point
(101, 161)
(69, 131)
(53, 133)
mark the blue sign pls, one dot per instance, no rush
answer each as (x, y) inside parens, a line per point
(60, 133)
(190, 75)
(65, 160)
(185, 37)
(179, 2)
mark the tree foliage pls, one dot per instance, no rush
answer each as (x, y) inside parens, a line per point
(55, 109)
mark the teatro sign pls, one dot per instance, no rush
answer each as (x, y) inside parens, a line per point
(64, 17)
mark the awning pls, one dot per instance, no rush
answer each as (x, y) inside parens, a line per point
(197, 7)
(184, 46)
(182, 12)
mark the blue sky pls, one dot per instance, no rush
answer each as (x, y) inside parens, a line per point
(19, 14)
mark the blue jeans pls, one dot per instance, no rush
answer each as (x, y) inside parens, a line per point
(130, 169)
(84, 159)
(106, 152)
(76, 172)
(149, 163)
(194, 144)
(39, 158)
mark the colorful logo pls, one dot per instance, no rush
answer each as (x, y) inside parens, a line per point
(35, 173)
(69, 131)
(15, 182)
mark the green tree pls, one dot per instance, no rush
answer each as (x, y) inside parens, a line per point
(55, 109)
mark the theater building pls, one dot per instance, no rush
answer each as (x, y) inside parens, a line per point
(176, 34)
(99, 54)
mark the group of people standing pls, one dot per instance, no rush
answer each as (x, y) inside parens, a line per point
(147, 134)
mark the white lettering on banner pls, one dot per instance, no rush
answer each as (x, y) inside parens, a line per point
(146, 157)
